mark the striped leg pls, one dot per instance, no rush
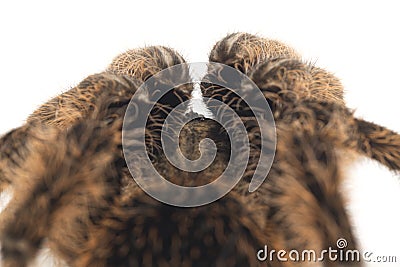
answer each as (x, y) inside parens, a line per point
(243, 51)
(13, 152)
(136, 65)
(68, 180)
(378, 143)
(246, 52)
(302, 191)
(366, 138)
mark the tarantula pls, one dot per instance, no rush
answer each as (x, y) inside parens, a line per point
(72, 190)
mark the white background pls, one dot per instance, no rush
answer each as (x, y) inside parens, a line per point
(48, 47)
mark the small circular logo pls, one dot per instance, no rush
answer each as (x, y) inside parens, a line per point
(341, 243)
(134, 130)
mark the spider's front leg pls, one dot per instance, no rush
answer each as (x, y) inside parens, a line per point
(77, 103)
(244, 52)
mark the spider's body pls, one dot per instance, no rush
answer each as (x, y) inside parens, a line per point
(72, 186)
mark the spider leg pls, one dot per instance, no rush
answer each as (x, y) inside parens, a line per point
(351, 134)
(64, 179)
(14, 148)
(302, 191)
(244, 52)
(282, 92)
(68, 179)
(378, 143)
(13, 151)
(78, 102)
(143, 63)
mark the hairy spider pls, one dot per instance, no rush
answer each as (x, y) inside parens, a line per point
(72, 190)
